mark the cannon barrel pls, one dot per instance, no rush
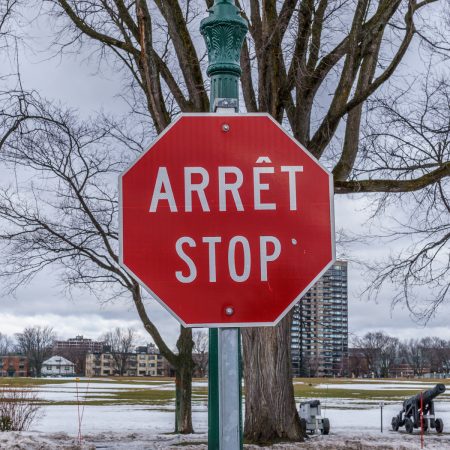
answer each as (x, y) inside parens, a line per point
(428, 395)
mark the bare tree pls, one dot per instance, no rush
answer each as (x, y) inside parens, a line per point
(67, 217)
(440, 355)
(311, 64)
(357, 362)
(7, 7)
(19, 408)
(414, 134)
(379, 351)
(417, 355)
(433, 347)
(120, 343)
(200, 352)
(429, 354)
(6, 344)
(313, 363)
(388, 354)
(36, 344)
(369, 348)
(444, 353)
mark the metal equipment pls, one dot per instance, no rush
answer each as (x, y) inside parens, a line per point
(311, 417)
(414, 407)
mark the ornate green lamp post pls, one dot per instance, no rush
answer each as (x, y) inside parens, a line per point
(224, 32)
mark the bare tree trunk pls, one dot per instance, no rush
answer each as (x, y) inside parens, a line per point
(183, 391)
(270, 410)
(38, 366)
(183, 383)
(181, 362)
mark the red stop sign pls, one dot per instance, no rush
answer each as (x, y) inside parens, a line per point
(226, 220)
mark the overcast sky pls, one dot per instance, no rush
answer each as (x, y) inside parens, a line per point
(77, 83)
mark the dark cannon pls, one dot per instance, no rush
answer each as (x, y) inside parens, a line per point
(409, 416)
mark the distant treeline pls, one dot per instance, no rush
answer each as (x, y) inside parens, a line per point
(380, 355)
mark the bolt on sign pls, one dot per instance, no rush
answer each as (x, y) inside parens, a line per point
(226, 220)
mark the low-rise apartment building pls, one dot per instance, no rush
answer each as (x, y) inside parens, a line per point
(137, 364)
(150, 365)
(14, 366)
(99, 364)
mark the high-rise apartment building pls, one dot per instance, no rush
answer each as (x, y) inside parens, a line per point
(319, 333)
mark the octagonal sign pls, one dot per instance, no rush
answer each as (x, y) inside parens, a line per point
(226, 220)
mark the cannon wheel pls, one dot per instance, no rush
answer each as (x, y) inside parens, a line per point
(439, 424)
(409, 425)
(326, 426)
(395, 423)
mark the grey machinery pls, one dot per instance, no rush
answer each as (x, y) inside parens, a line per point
(311, 417)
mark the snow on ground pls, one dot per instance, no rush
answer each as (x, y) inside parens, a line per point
(355, 424)
(70, 391)
(349, 440)
(112, 418)
(377, 386)
(373, 380)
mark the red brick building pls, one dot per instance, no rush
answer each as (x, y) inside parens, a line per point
(14, 366)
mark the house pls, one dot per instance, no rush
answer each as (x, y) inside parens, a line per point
(58, 366)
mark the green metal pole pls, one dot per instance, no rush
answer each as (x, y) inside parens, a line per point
(224, 32)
